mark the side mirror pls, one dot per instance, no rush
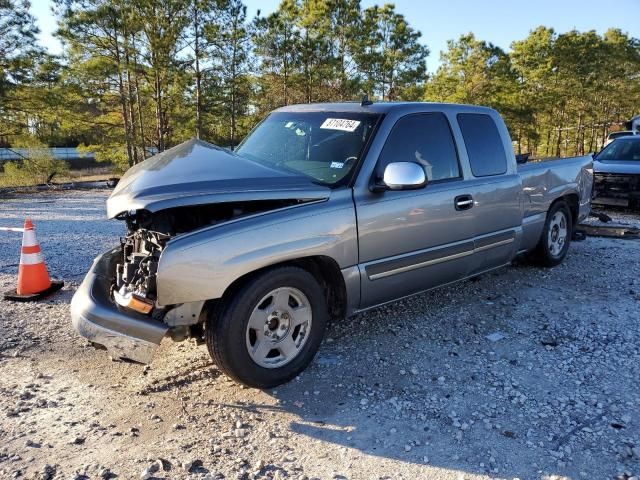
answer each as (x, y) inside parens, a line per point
(403, 176)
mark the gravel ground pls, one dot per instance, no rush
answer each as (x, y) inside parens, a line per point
(524, 373)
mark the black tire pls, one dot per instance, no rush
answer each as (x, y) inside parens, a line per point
(226, 328)
(543, 252)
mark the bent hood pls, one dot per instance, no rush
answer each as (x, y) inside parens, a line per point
(196, 173)
(623, 167)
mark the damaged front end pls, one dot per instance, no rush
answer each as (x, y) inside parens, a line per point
(135, 281)
(185, 189)
(617, 189)
(125, 334)
(148, 234)
(117, 304)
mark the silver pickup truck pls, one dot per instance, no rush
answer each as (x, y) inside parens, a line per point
(323, 211)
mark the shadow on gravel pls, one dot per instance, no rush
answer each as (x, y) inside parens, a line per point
(421, 381)
(179, 380)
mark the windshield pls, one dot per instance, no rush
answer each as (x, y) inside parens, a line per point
(621, 149)
(325, 146)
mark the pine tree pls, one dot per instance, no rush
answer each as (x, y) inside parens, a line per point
(230, 40)
(19, 56)
(389, 54)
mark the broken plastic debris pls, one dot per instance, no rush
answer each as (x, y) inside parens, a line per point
(495, 336)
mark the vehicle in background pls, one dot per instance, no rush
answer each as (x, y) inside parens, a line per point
(616, 171)
(620, 134)
(633, 123)
(323, 211)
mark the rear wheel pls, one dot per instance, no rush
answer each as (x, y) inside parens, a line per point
(270, 329)
(556, 235)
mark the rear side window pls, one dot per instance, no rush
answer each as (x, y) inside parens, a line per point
(484, 144)
(424, 138)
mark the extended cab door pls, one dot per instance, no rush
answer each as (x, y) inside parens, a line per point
(414, 240)
(495, 186)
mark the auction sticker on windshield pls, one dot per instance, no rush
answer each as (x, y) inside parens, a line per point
(343, 124)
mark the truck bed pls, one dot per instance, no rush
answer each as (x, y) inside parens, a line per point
(545, 181)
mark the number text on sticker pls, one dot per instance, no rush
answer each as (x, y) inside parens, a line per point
(343, 124)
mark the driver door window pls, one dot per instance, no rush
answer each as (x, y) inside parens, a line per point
(424, 138)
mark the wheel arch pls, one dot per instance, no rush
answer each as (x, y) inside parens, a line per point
(323, 268)
(573, 202)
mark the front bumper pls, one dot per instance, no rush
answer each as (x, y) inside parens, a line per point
(616, 189)
(125, 334)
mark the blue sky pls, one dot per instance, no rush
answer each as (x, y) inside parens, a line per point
(496, 21)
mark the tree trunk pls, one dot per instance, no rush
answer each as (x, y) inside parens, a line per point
(559, 141)
(592, 137)
(132, 121)
(286, 65)
(159, 113)
(123, 99)
(578, 148)
(309, 82)
(234, 74)
(343, 80)
(139, 101)
(307, 69)
(605, 125)
(286, 80)
(126, 121)
(196, 51)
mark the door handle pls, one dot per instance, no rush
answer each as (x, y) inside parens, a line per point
(463, 202)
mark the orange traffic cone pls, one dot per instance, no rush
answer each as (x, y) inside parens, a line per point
(33, 278)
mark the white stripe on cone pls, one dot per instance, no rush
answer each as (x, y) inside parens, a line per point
(31, 258)
(29, 239)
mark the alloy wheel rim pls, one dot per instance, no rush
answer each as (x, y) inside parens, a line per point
(557, 235)
(278, 327)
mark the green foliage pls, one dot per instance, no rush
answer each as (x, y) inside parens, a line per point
(278, 45)
(114, 153)
(559, 93)
(19, 58)
(313, 51)
(389, 55)
(38, 167)
(472, 72)
(143, 75)
(230, 54)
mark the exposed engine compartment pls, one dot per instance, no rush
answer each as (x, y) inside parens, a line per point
(136, 276)
(148, 234)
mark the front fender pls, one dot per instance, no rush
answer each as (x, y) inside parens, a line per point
(202, 265)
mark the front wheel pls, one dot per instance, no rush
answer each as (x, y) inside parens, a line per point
(556, 235)
(270, 329)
